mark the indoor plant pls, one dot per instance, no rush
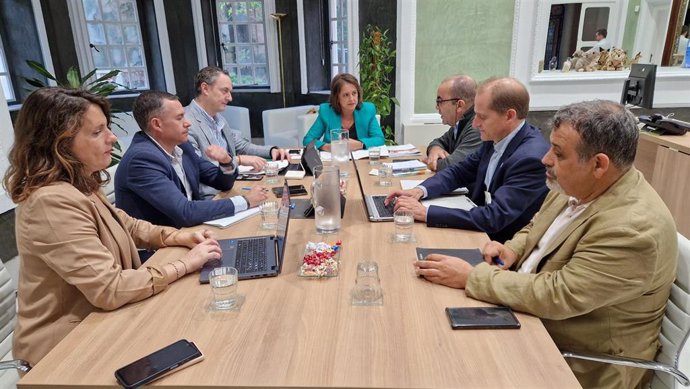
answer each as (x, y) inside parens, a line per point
(102, 86)
(376, 58)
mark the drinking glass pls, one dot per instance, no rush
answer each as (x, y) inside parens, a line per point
(367, 289)
(269, 214)
(340, 149)
(385, 175)
(271, 169)
(403, 220)
(374, 156)
(223, 282)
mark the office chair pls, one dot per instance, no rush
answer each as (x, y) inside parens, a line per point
(674, 356)
(8, 314)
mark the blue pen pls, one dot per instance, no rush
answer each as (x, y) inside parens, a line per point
(246, 188)
(498, 261)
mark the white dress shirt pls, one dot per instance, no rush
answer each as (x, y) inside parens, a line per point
(560, 223)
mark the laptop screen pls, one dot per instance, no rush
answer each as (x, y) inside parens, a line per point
(311, 158)
(283, 219)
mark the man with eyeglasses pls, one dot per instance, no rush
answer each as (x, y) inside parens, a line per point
(505, 175)
(455, 103)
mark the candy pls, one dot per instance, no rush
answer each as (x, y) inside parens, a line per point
(320, 259)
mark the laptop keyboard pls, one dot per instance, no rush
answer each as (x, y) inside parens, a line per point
(251, 255)
(384, 211)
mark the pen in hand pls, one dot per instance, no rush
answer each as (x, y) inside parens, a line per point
(498, 261)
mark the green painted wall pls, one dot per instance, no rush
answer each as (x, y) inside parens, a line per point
(460, 36)
(630, 27)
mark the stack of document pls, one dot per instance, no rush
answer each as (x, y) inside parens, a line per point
(228, 221)
(250, 170)
(359, 154)
(406, 168)
(402, 150)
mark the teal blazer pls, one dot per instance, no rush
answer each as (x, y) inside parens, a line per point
(368, 129)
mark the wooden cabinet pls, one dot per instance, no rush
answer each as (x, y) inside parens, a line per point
(665, 163)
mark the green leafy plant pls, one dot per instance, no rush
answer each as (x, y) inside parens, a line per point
(376, 58)
(102, 86)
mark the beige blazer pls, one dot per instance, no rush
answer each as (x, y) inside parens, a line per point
(77, 254)
(603, 283)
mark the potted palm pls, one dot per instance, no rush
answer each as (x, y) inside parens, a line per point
(103, 86)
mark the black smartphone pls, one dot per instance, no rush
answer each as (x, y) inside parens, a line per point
(249, 177)
(482, 317)
(178, 355)
(295, 190)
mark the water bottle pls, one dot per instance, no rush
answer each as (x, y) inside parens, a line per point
(326, 198)
(553, 64)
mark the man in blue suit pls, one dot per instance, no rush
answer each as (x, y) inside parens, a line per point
(159, 175)
(505, 176)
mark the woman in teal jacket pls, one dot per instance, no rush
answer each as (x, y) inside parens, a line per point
(345, 109)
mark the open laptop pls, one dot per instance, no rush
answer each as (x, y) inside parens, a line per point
(374, 204)
(255, 256)
(310, 160)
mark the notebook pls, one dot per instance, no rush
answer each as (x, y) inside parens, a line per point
(377, 211)
(472, 256)
(255, 256)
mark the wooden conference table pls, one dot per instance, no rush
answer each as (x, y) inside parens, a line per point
(303, 333)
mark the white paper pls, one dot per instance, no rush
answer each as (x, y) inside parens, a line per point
(402, 150)
(415, 164)
(361, 154)
(249, 170)
(409, 184)
(227, 221)
(457, 202)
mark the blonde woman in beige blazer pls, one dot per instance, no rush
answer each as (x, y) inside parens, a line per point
(78, 253)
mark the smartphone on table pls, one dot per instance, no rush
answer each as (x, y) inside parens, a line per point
(295, 190)
(169, 359)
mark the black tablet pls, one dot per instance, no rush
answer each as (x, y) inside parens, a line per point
(482, 317)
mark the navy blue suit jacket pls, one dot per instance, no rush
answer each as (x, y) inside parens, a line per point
(147, 187)
(517, 189)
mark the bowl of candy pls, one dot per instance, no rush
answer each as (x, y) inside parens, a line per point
(321, 259)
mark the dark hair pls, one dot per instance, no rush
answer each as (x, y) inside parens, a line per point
(49, 120)
(337, 84)
(149, 104)
(462, 87)
(604, 127)
(684, 30)
(207, 75)
(602, 32)
(506, 93)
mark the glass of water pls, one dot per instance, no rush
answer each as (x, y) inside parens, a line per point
(367, 289)
(271, 169)
(374, 156)
(223, 282)
(385, 175)
(269, 214)
(403, 220)
(340, 150)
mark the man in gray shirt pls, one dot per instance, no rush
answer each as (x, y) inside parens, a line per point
(208, 127)
(455, 103)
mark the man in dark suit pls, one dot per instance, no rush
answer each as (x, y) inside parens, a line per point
(455, 103)
(505, 176)
(159, 175)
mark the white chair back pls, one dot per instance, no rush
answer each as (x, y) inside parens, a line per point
(8, 318)
(282, 127)
(238, 119)
(675, 326)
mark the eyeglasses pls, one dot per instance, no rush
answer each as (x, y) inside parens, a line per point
(440, 100)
